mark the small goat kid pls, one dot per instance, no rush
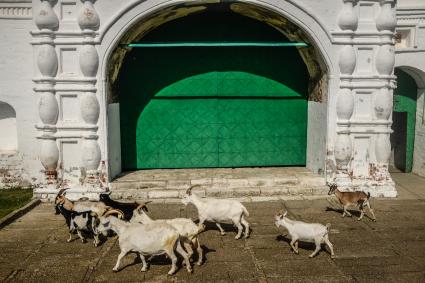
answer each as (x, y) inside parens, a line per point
(218, 210)
(144, 239)
(187, 229)
(347, 199)
(299, 230)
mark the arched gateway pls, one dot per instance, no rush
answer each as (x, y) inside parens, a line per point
(237, 105)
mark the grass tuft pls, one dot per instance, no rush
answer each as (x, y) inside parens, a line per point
(11, 199)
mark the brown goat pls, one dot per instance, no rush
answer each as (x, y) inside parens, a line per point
(347, 199)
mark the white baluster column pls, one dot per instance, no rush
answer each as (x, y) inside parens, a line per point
(88, 20)
(347, 22)
(47, 22)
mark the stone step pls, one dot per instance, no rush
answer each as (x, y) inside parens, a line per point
(155, 193)
(243, 183)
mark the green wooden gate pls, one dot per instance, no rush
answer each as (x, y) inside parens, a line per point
(404, 120)
(213, 107)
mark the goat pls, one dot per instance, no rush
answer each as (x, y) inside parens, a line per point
(126, 208)
(299, 230)
(358, 198)
(144, 239)
(187, 229)
(217, 210)
(77, 221)
(80, 206)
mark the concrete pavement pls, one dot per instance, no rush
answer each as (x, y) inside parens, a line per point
(34, 248)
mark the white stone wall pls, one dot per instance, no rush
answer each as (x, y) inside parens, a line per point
(57, 76)
(16, 68)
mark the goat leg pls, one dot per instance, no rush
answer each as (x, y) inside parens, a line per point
(240, 228)
(181, 251)
(246, 224)
(70, 237)
(330, 246)
(346, 211)
(199, 250)
(83, 240)
(221, 229)
(318, 247)
(371, 210)
(120, 256)
(294, 241)
(361, 212)
(173, 258)
(144, 264)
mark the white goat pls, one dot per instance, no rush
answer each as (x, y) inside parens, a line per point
(187, 229)
(218, 210)
(144, 239)
(299, 230)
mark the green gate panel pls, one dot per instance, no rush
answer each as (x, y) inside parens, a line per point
(404, 120)
(193, 107)
(238, 119)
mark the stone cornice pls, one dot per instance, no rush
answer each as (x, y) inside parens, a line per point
(15, 10)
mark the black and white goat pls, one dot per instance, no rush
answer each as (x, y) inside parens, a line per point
(80, 222)
(126, 208)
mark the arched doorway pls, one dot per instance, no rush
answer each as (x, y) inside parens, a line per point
(192, 107)
(138, 23)
(9, 137)
(404, 121)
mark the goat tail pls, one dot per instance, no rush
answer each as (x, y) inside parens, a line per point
(368, 195)
(245, 211)
(328, 226)
(201, 228)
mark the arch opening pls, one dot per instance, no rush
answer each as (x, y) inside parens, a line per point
(9, 137)
(302, 81)
(404, 122)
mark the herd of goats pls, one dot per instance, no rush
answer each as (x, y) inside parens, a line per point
(138, 233)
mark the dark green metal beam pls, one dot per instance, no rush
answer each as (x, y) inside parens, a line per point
(217, 44)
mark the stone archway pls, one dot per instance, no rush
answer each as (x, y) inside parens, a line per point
(9, 137)
(408, 121)
(317, 63)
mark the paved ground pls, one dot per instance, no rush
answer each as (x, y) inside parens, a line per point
(34, 249)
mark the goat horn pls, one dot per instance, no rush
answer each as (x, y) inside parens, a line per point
(189, 190)
(114, 211)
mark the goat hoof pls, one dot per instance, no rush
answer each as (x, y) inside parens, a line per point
(222, 233)
(199, 263)
(237, 237)
(190, 270)
(115, 269)
(333, 256)
(359, 219)
(143, 270)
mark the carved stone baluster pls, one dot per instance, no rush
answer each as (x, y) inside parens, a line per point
(386, 19)
(345, 104)
(88, 20)
(47, 62)
(343, 152)
(348, 18)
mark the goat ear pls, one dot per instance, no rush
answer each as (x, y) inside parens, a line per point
(145, 208)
